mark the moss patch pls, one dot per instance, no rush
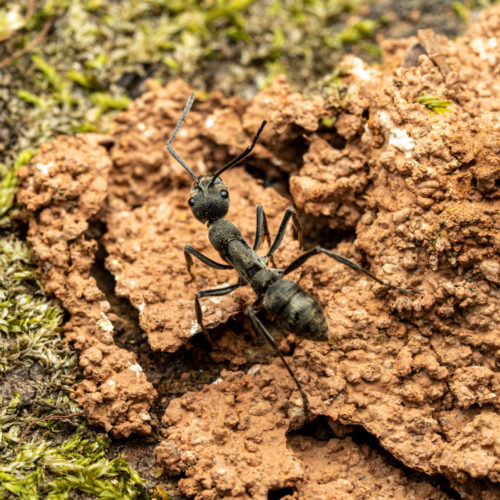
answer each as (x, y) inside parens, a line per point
(98, 53)
(435, 104)
(35, 361)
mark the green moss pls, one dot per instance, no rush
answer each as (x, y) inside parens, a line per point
(98, 51)
(332, 87)
(84, 127)
(98, 62)
(371, 49)
(9, 184)
(48, 71)
(461, 11)
(360, 30)
(160, 493)
(31, 98)
(29, 324)
(106, 101)
(328, 122)
(42, 470)
(435, 104)
(464, 11)
(84, 80)
(51, 78)
(47, 465)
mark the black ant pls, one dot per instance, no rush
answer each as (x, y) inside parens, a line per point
(285, 302)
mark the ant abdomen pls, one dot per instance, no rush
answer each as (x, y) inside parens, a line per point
(295, 310)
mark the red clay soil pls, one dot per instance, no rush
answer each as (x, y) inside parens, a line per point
(419, 191)
(241, 419)
(63, 187)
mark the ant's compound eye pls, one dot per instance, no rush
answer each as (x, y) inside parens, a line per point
(191, 202)
(224, 193)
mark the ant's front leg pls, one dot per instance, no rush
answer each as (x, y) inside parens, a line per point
(189, 250)
(262, 229)
(213, 292)
(289, 213)
(343, 260)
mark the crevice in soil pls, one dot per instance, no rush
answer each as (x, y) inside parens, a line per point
(331, 136)
(361, 436)
(317, 232)
(280, 493)
(323, 429)
(172, 374)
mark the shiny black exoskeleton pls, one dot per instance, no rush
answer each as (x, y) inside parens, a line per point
(286, 303)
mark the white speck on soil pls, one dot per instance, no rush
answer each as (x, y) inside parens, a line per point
(44, 167)
(137, 368)
(400, 139)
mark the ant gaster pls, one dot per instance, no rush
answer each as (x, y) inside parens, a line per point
(286, 303)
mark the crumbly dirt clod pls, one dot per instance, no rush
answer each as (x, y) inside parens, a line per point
(63, 187)
(418, 189)
(254, 454)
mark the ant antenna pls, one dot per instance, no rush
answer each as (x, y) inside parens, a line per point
(240, 157)
(174, 133)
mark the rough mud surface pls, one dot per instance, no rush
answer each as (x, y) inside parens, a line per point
(66, 186)
(254, 454)
(418, 190)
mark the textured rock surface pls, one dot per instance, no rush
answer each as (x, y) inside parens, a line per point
(420, 193)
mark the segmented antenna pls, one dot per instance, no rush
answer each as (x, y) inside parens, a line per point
(174, 133)
(240, 157)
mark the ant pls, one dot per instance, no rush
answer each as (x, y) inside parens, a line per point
(286, 303)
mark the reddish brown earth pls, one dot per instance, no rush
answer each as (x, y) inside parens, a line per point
(63, 188)
(420, 193)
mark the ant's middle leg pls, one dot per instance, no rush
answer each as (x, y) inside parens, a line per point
(189, 250)
(343, 260)
(289, 213)
(259, 326)
(213, 292)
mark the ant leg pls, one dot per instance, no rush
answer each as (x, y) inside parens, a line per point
(290, 212)
(213, 292)
(343, 260)
(189, 250)
(262, 329)
(262, 229)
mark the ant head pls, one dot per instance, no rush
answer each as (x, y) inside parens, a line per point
(209, 199)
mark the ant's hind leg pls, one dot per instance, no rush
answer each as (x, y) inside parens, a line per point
(343, 260)
(213, 292)
(289, 213)
(189, 250)
(259, 326)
